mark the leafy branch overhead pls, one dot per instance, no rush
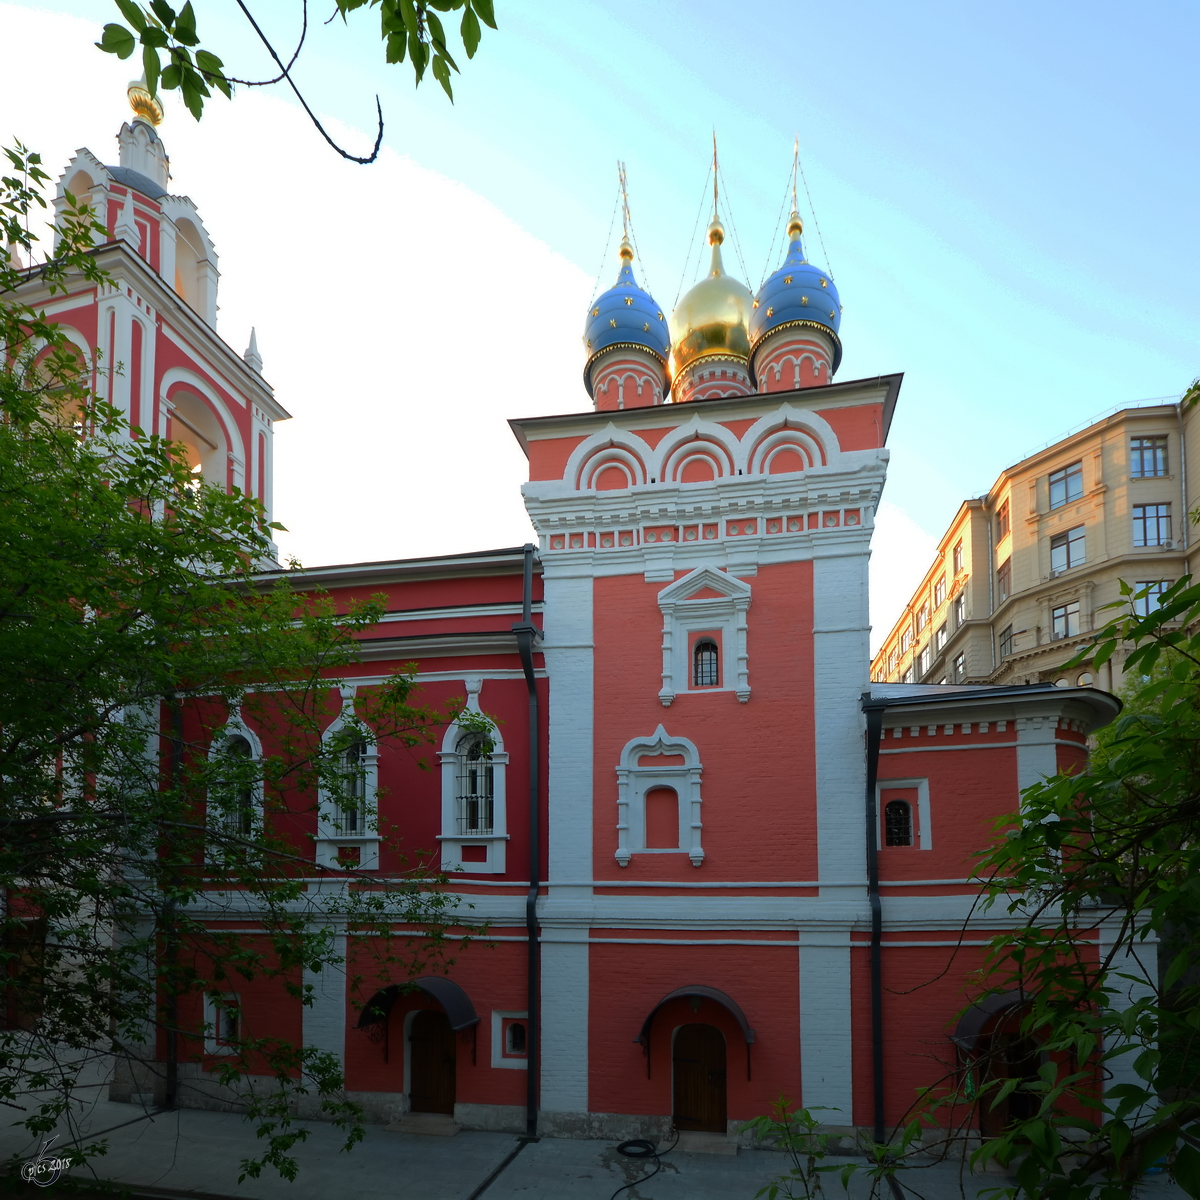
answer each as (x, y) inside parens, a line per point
(173, 59)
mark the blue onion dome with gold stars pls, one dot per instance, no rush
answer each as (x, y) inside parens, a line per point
(625, 315)
(713, 318)
(797, 295)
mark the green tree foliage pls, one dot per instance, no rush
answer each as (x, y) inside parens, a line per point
(173, 59)
(134, 626)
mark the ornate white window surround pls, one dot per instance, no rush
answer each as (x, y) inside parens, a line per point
(685, 612)
(455, 839)
(331, 837)
(923, 831)
(635, 778)
(233, 730)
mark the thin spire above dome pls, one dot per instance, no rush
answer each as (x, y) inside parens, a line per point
(626, 315)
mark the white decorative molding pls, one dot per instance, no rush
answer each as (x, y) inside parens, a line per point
(635, 779)
(330, 837)
(235, 727)
(452, 838)
(684, 612)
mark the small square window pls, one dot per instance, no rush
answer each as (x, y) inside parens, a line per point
(1066, 485)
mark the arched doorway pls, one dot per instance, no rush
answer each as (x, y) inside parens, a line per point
(1004, 1052)
(432, 1063)
(698, 1062)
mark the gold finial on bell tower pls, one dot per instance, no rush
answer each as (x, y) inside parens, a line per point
(144, 105)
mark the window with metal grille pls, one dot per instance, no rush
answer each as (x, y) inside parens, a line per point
(1151, 524)
(1066, 485)
(1004, 579)
(1064, 620)
(354, 789)
(234, 795)
(1067, 549)
(476, 782)
(897, 823)
(1147, 457)
(1006, 641)
(706, 668)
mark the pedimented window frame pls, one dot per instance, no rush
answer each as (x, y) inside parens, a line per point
(685, 613)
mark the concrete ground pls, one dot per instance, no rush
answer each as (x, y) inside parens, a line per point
(199, 1152)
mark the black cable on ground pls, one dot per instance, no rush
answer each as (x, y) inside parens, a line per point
(643, 1148)
(522, 1142)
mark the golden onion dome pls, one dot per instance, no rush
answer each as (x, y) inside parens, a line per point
(713, 318)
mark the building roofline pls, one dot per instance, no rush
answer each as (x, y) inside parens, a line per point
(901, 696)
(505, 561)
(521, 426)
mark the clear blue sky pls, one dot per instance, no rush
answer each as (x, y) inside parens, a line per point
(1007, 192)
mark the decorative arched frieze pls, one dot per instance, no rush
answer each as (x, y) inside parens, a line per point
(610, 446)
(474, 805)
(639, 774)
(694, 441)
(343, 826)
(705, 602)
(810, 434)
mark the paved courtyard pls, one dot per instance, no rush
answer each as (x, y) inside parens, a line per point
(199, 1152)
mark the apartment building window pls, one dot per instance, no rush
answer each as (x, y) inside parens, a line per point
(1006, 641)
(1066, 485)
(1148, 457)
(893, 657)
(959, 672)
(922, 617)
(941, 637)
(1154, 588)
(1067, 550)
(1151, 524)
(957, 558)
(1004, 579)
(1002, 522)
(923, 659)
(939, 592)
(1064, 620)
(907, 677)
(906, 640)
(960, 610)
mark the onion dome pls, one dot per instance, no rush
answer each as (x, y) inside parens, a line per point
(797, 295)
(713, 318)
(625, 315)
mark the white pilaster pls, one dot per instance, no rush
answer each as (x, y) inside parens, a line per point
(564, 1046)
(826, 1066)
(324, 1023)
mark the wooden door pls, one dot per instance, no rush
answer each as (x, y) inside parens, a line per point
(431, 1045)
(699, 1062)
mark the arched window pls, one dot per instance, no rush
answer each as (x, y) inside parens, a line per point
(350, 815)
(897, 823)
(514, 1038)
(232, 799)
(476, 785)
(706, 670)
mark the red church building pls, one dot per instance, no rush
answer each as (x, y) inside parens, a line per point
(703, 840)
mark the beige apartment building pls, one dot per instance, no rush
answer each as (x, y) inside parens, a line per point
(1023, 573)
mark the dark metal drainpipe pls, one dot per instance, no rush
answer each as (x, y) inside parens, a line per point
(874, 734)
(528, 635)
(171, 940)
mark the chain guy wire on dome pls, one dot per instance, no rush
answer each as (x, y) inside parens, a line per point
(719, 174)
(627, 224)
(812, 209)
(692, 242)
(607, 246)
(791, 185)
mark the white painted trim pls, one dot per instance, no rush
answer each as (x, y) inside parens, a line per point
(498, 1058)
(451, 839)
(635, 780)
(212, 1044)
(684, 615)
(329, 840)
(826, 1027)
(924, 828)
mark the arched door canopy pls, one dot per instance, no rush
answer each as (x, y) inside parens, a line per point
(454, 1001)
(706, 993)
(971, 1024)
